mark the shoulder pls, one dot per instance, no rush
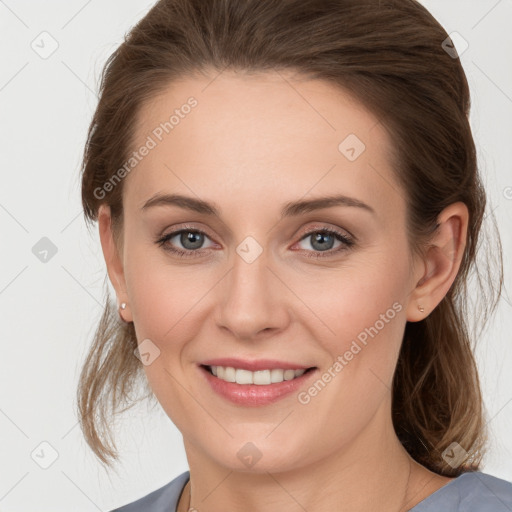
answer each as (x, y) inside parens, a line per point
(470, 492)
(163, 499)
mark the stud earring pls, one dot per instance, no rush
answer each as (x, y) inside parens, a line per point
(422, 309)
(122, 307)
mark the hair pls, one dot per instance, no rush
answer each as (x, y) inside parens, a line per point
(389, 56)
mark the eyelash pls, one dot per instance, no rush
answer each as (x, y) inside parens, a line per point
(346, 241)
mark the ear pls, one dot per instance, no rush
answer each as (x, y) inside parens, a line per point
(441, 262)
(113, 259)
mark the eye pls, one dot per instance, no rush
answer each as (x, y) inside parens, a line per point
(323, 240)
(190, 239)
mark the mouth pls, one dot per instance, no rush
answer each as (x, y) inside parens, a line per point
(259, 378)
(253, 389)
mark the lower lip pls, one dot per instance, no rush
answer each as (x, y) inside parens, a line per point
(254, 395)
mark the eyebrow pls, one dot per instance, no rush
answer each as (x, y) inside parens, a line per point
(290, 209)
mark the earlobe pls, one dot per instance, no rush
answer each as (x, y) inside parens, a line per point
(441, 263)
(111, 255)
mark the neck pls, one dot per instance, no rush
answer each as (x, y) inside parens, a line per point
(374, 472)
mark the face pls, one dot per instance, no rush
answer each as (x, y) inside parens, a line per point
(261, 278)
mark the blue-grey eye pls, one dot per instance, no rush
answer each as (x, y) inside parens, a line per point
(191, 239)
(321, 240)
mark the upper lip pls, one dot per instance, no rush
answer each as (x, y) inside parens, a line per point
(255, 365)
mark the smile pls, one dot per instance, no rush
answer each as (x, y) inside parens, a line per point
(260, 377)
(261, 387)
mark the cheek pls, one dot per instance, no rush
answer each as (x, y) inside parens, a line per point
(164, 301)
(359, 321)
(367, 318)
(162, 296)
(349, 302)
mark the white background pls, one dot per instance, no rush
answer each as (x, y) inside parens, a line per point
(49, 310)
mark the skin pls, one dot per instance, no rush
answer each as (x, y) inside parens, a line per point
(253, 143)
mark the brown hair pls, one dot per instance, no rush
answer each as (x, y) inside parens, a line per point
(389, 55)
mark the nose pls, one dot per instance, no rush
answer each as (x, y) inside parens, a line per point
(253, 300)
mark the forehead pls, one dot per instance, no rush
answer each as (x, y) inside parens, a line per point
(235, 136)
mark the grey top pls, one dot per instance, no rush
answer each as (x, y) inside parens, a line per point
(470, 492)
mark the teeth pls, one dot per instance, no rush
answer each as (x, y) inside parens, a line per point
(261, 377)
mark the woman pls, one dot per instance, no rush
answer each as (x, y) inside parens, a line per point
(233, 140)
